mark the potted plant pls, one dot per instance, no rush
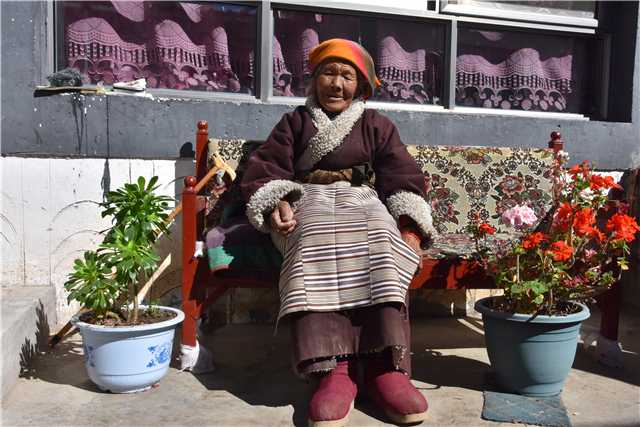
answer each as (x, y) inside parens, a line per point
(127, 347)
(547, 275)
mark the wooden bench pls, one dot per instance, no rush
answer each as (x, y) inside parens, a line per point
(460, 181)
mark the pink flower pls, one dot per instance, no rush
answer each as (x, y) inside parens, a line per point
(589, 253)
(518, 216)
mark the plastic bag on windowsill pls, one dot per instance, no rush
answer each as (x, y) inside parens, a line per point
(138, 85)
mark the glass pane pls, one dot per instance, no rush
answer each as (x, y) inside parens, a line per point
(295, 35)
(409, 67)
(409, 60)
(577, 9)
(174, 45)
(522, 71)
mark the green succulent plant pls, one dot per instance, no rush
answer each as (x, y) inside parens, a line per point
(106, 281)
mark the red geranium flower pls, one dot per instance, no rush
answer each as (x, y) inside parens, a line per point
(581, 169)
(563, 216)
(561, 251)
(533, 240)
(583, 221)
(624, 227)
(597, 182)
(597, 234)
(485, 229)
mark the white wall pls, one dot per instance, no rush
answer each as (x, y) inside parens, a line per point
(49, 214)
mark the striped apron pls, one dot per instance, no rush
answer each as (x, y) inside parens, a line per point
(345, 252)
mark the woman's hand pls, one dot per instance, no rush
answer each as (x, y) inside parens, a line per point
(282, 220)
(413, 241)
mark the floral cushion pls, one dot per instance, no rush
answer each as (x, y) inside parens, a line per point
(224, 206)
(460, 182)
(463, 183)
(233, 151)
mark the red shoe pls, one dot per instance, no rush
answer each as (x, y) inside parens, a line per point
(393, 392)
(333, 400)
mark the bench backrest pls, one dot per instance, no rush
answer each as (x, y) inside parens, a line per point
(460, 182)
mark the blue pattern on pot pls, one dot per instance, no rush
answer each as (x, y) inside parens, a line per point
(161, 354)
(88, 355)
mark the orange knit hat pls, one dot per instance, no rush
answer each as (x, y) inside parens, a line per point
(349, 51)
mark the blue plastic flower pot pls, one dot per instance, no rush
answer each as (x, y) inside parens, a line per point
(531, 355)
(128, 359)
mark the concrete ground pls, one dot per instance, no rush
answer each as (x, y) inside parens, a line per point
(254, 386)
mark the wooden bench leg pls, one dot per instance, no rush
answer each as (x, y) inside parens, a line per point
(190, 304)
(609, 304)
(190, 323)
(608, 348)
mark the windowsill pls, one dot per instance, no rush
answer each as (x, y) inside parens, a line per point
(243, 98)
(519, 113)
(390, 106)
(170, 94)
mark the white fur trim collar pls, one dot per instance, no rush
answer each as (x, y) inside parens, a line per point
(331, 133)
(413, 205)
(267, 197)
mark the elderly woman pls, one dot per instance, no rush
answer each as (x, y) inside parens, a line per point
(334, 186)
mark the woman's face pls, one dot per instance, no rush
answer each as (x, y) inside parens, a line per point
(336, 84)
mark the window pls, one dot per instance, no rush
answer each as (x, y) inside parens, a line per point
(535, 55)
(522, 71)
(581, 12)
(174, 45)
(408, 55)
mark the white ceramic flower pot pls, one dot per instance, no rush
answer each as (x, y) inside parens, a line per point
(128, 359)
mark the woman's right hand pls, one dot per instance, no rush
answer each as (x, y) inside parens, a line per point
(282, 220)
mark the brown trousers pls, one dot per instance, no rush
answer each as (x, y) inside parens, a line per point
(320, 339)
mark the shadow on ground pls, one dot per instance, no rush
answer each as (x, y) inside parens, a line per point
(63, 364)
(440, 370)
(254, 365)
(586, 357)
(432, 366)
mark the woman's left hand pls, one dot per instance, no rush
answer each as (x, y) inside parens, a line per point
(413, 241)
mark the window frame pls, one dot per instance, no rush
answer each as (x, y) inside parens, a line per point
(419, 18)
(263, 65)
(57, 40)
(457, 9)
(354, 6)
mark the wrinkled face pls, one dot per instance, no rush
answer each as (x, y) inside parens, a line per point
(336, 84)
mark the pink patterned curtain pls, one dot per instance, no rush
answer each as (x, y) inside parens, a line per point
(519, 71)
(175, 45)
(409, 67)
(295, 34)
